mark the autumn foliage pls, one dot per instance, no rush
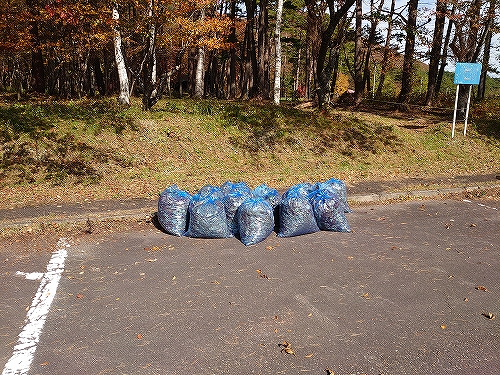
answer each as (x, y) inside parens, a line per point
(225, 48)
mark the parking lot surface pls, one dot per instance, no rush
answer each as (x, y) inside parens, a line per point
(414, 289)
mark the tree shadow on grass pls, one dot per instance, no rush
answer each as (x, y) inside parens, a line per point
(488, 128)
(267, 127)
(32, 149)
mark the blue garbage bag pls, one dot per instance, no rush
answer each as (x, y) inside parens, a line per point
(303, 189)
(255, 220)
(269, 194)
(232, 200)
(339, 187)
(173, 206)
(329, 211)
(296, 215)
(207, 218)
(229, 186)
(208, 191)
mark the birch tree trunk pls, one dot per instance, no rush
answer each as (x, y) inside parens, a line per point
(124, 97)
(200, 63)
(150, 95)
(198, 80)
(277, 70)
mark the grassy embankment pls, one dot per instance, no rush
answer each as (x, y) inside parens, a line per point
(87, 150)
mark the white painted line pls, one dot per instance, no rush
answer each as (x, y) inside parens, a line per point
(24, 351)
(481, 205)
(31, 275)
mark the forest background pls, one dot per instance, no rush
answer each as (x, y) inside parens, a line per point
(230, 49)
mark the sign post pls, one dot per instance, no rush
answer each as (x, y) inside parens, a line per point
(465, 74)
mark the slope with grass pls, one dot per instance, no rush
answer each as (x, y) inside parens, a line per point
(88, 150)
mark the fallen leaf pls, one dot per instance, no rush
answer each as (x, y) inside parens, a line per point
(264, 276)
(329, 372)
(151, 260)
(269, 248)
(489, 315)
(480, 287)
(44, 363)
(366, 295)
(309, 355)
(443, 326)
(473, 225)
(79, 295)
(287, 348)
(466, 299)
(139, 336)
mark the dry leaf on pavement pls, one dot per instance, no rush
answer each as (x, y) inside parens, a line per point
(489, 315)
(287, 348)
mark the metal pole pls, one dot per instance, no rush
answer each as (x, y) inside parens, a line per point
(455, 114)
(467, 112)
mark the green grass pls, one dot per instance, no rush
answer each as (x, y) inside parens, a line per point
(95, 149)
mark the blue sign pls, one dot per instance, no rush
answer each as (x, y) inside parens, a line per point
(467, 74)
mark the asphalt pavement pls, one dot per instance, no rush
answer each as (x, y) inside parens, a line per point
(412, 290)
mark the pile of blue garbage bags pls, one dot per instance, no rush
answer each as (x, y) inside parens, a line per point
(251, 215)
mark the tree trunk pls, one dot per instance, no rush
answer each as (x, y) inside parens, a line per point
(277, 70)
(149, 69)
(232, 92)
(250, 68)
(358, 56)
(324, 70)
(487, 49)
(313, 42)
(37, 67)
(371, 41)
(387, 48)
(124, 97)
(263, 50)
(199, 73)
(437, 40)
(407, 74)
(199, 87)
(444, 54)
